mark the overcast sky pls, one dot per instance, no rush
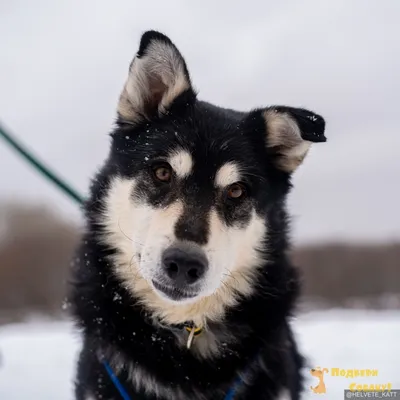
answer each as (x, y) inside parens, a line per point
(63, 64)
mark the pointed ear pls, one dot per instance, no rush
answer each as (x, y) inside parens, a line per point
(290, 132)
(157, 76)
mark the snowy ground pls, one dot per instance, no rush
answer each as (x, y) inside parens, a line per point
(37, 358)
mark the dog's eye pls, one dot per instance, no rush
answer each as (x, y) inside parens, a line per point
(163, 173)
(236, 191)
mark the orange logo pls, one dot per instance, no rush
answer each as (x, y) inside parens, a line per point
(319, 373)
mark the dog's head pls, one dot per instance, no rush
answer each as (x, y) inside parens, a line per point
(191, 189)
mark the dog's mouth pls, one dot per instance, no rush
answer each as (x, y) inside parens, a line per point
(172, 292)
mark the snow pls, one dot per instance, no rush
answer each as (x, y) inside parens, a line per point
(37, 361)
(38, 357)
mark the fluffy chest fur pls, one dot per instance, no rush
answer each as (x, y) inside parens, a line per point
(253, 342)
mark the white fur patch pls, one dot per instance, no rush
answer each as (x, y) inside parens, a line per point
(182, 163)
(233, 257)
(140, 233)
(226, 175)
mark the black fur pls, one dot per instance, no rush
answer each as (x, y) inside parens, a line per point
(114, 324)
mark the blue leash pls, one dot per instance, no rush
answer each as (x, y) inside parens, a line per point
(232, 391)
(117, 383)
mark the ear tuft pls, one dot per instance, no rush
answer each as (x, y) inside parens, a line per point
(290, 132)
(149, 37)
(157, 76)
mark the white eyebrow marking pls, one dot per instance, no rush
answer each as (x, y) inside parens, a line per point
(182, 162)
(229, 173)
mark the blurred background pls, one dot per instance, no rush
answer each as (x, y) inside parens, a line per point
(62, 66)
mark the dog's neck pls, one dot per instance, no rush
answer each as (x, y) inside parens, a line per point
(204, 340)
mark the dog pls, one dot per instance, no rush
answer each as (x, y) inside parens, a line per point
(182, 287)
(319, 373)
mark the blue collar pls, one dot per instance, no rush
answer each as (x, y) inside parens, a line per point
(125, 396)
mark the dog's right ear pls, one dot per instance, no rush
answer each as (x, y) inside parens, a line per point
(157, 76)
(290, 132)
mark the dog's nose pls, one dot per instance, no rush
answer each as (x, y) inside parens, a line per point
(184, 266)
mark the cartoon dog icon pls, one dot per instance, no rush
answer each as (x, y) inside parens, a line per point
(319, 373)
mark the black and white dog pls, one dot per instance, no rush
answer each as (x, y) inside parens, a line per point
(184, 290)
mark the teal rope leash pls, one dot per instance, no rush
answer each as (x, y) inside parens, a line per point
(71, 193)
(39, 166)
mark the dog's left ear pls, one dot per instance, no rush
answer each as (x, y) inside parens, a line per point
(157, 76)
(290, 132)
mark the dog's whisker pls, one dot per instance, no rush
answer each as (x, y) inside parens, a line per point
(131, 261)
(230, 275)
(130, 239)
